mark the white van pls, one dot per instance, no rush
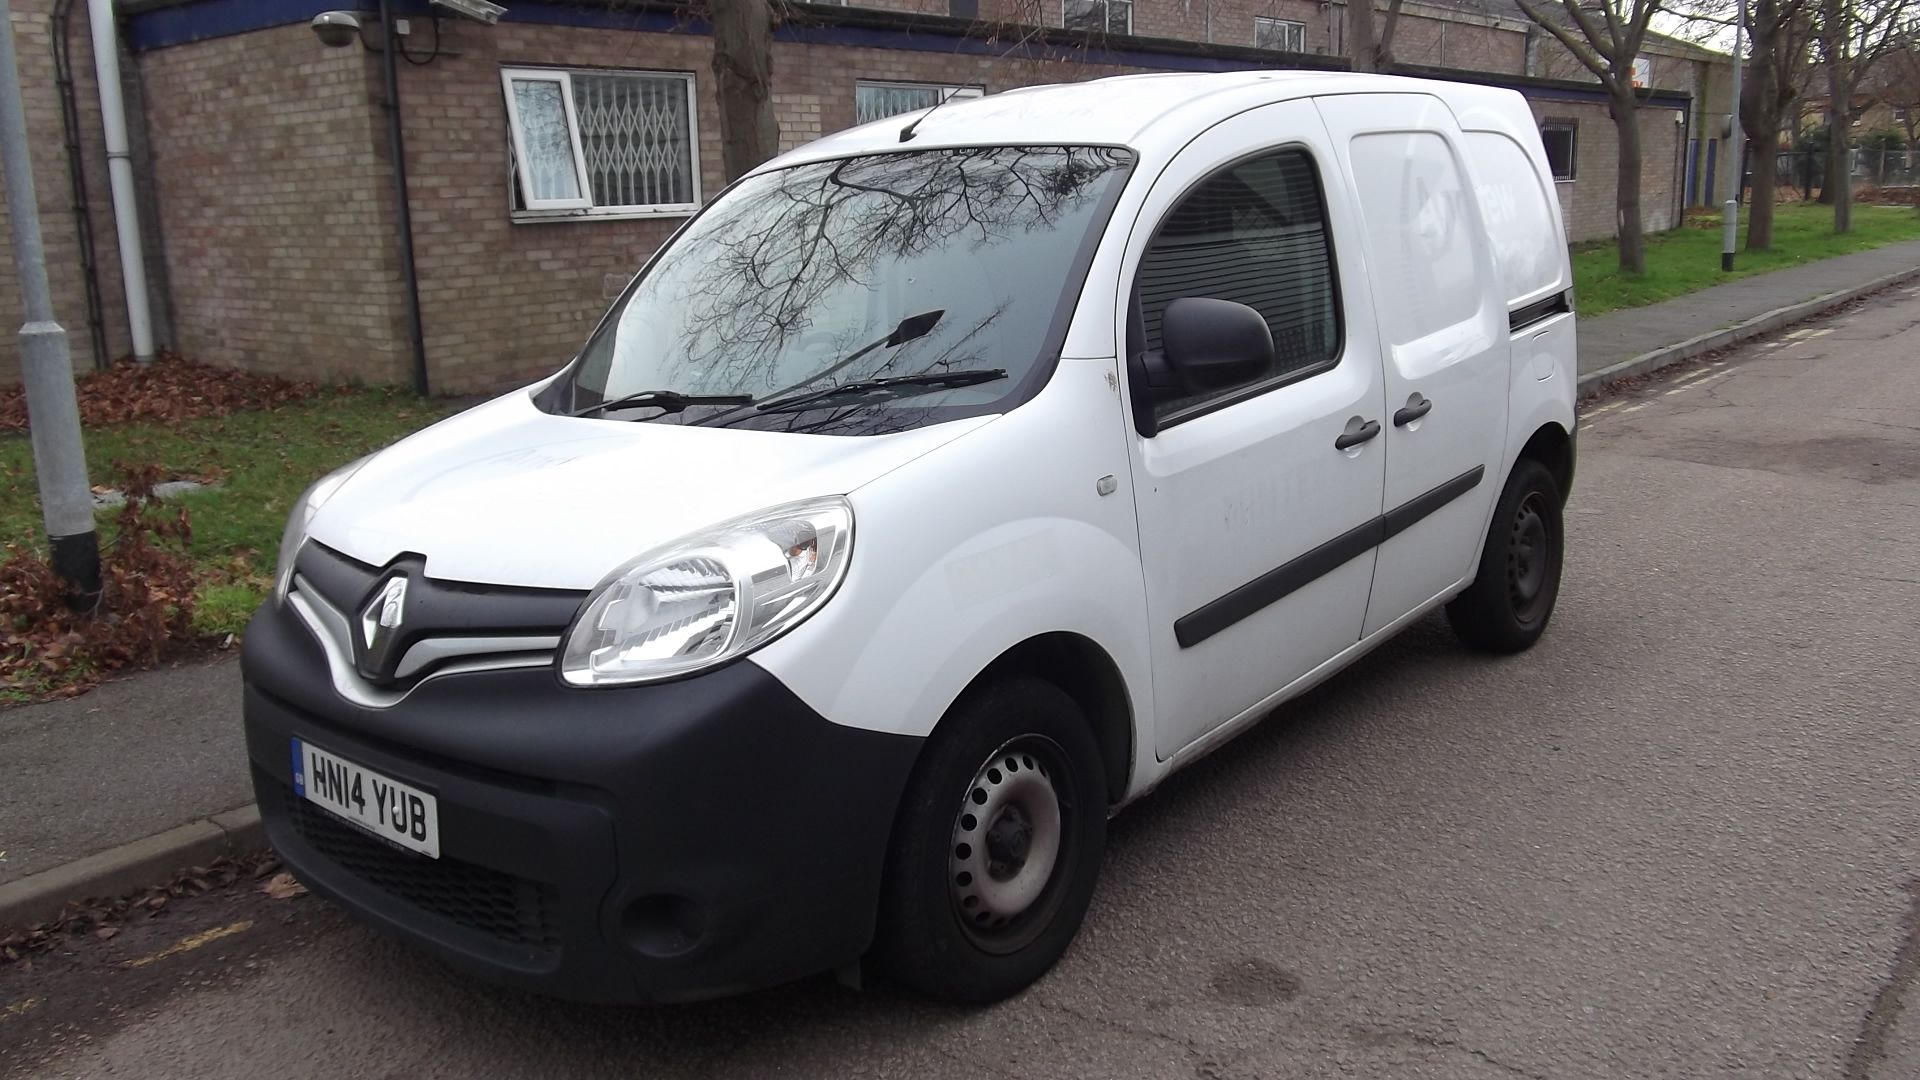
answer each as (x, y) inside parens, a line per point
(941, 488)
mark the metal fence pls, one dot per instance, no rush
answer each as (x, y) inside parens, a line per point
(1803, 174)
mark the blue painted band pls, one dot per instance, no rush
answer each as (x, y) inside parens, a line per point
(159, 25)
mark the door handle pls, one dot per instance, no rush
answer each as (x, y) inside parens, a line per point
(1358, 431)
(1415, 409)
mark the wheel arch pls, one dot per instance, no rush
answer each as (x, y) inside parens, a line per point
(1552, 446)
(1082, 668)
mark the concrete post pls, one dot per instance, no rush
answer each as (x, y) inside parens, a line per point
(46, 367)
(1730, 232)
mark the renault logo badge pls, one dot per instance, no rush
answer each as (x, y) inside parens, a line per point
(380, 623)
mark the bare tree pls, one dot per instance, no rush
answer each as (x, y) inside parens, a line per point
(1370, 42)
(1896, 83)
(1852, 35)
(1605, 36)
(1776, 77)
(743, 74)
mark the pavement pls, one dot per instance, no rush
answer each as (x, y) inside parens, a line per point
(1611, 340)
(1679, 838)
(135, 757)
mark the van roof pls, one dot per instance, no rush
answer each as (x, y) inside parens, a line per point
(1160, 111)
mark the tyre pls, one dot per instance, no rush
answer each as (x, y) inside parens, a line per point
(1506, 608)
(996, 848)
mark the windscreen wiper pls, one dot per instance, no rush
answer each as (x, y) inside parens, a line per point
(885, 387)
(669, 400)
(909, 328)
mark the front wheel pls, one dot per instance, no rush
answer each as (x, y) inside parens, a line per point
(997, 846)
(1506, 608)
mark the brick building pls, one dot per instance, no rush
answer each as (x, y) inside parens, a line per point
(550, 154)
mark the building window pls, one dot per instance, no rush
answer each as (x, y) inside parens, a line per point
(601, 143)
(1559, 137)
(1279, 34)
(1095, 16)
(879, 100)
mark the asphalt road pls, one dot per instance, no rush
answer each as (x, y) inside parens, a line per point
(1681, 838)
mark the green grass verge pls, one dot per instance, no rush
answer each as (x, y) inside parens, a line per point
(1686, 259)
(261, 460)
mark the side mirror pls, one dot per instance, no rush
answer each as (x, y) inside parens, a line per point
(1214, 343)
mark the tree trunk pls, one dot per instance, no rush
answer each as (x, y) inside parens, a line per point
(1626, 121)
(1363, 37)
(743, 74)
(1839, 186)
(1760, 210)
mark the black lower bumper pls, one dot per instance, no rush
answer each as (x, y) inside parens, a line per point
(657, 843)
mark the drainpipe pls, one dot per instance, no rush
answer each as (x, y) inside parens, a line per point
(126, 219)
(396, 142)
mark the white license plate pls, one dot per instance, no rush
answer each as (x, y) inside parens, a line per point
(386, 808)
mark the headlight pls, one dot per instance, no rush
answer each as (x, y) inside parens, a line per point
(304, 508)
(710, 597)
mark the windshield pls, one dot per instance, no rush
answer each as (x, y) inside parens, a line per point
(900, 264)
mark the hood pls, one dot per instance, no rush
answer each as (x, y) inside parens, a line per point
(505, 494)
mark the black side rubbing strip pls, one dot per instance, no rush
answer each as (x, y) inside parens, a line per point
(1271, 587)
(1216, 615)
(1408, 514)
(1539, 311)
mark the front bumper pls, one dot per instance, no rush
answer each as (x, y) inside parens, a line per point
(656, 843)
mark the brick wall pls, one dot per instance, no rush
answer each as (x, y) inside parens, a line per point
(269, 158)
(33, 44)
(506, 301)
(1588, 201)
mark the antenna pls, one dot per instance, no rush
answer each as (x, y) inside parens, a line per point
(946, 94)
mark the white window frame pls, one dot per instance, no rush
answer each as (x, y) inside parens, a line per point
(1294, 31)
(1106, 23)
(509, 76)
(948, 91)
(537, 210)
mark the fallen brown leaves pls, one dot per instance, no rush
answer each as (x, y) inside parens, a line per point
(283, 886)
(102, 919)
(169, 390)
(145, 610)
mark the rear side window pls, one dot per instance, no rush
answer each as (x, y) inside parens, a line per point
(1254, 233)
(1526, 245)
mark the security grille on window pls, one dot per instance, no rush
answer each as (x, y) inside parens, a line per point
(879, 100)
(1254, 233)
(1108, 16)
(1279, 34)
(602, 142)
(1560, 139)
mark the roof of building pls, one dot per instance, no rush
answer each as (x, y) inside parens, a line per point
(1153, 113)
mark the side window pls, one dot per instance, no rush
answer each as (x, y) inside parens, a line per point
(1254, 233)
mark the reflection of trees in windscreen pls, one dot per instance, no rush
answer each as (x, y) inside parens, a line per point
(838, 233)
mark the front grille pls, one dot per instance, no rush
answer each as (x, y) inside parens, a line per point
(507, 909)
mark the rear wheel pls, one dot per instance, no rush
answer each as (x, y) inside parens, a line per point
(997, 846)
(1506, 608)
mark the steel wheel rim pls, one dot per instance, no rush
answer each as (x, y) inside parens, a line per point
(1009, 839)
(1529, 558)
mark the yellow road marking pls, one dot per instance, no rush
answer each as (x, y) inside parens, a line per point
(21, 1007)
(193, 941)
(1634, 408)
(1604, 408)
(1691, 375)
